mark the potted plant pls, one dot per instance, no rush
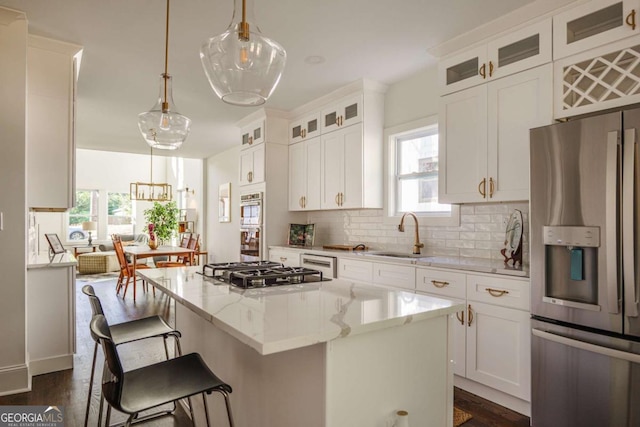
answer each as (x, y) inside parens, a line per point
(164, 217)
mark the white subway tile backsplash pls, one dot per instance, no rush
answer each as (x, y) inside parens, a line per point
(480, 234)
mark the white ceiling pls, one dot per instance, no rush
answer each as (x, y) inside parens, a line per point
(123, 40)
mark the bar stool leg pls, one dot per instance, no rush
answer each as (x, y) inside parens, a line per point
(93, 370)
(206, 410)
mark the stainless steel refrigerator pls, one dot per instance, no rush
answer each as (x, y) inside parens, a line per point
(585, 260)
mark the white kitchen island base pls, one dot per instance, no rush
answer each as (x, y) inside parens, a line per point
(329, 354)
(355, 381)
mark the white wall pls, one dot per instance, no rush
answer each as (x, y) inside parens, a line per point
(13, 237)
(223, 238)
(413, 98)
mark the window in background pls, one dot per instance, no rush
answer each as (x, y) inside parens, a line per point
(417, 173)
(412, 174)
(86, 209)
(120, 218)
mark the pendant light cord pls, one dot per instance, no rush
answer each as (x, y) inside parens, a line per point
(165, 104)
(151, 166)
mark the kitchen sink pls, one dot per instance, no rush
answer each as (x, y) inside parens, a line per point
(394, 254)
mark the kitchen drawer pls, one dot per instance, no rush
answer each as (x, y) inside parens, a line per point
(511, 293)
(442, 283)
(397, 276)
(361, 271)
(287, 258)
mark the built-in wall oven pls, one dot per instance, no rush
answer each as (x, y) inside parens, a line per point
(250, 227)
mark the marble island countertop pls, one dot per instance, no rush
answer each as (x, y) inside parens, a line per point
(480, 265)
(277, 319)
(43, 260)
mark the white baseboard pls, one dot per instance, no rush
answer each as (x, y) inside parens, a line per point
(506, 400)
(51, 364)
(14, 379)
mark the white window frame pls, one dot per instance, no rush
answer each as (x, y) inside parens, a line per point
(391, 135)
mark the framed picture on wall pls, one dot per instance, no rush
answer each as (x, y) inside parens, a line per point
(301, 235)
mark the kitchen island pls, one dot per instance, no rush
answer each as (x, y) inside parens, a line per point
(333, 353)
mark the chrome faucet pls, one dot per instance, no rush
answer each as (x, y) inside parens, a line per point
(416, 245)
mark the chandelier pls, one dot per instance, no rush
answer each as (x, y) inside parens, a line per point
(243, 66)
(150, 191)
(162, 126)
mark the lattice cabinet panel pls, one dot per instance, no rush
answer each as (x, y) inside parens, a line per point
(597, 80)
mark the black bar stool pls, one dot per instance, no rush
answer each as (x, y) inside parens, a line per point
(144, 388)
(127, 332)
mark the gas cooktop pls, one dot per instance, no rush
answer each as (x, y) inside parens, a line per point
(258, 274)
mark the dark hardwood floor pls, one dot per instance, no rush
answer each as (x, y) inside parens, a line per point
(69, 388)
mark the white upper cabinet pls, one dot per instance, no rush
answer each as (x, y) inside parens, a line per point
(594, 24)
(51, 82)
(252, 165)
(304, 128)
(484, 137)
(304, 175)
(346, 112)
(343, 168)
(253, 134)
(517, 51)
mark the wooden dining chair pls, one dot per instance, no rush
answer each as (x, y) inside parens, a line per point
(188, 241)
(126, 268)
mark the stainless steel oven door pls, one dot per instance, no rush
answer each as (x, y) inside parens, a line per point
(250, 244)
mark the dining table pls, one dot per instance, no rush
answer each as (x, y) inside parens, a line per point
(144, 251)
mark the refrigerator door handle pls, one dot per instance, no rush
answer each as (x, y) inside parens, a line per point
(629, 166)
(583, 345)
(611, 197)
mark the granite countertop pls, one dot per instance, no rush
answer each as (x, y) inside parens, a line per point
(42, 260)
(479, 265)
(276, 319)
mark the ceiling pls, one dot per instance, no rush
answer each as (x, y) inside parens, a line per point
(123, 55)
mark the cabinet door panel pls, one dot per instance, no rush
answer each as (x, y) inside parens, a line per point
(297, 176)
(516, 104)
(246, 166)
(333, 169)
(520, 50)
(353, 167)
(314, 173)
(258, 165)
(462, 70)
(463, 146)
(397, 276)
(594, 24)
(355, 270)
(498, 349)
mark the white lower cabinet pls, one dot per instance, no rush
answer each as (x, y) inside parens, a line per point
(287, 258)
(397, 276)
(51, 319)
(352, 269)
(491, 337)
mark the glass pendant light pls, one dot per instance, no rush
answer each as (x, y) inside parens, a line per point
(243, 66)
(162, 126)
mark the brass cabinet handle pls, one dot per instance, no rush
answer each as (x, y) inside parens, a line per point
(483, 71)
(482, 187)
(341, 199)
(439, 284)
(283, 259)
(490, 68)
(301, 203)
(491, 187)
(496, 292)
(304, 201)
(631, 19)
(470, 317)
(250, 176)
(338, 199)
(303, 133)
(250, 140)
(460, 317)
